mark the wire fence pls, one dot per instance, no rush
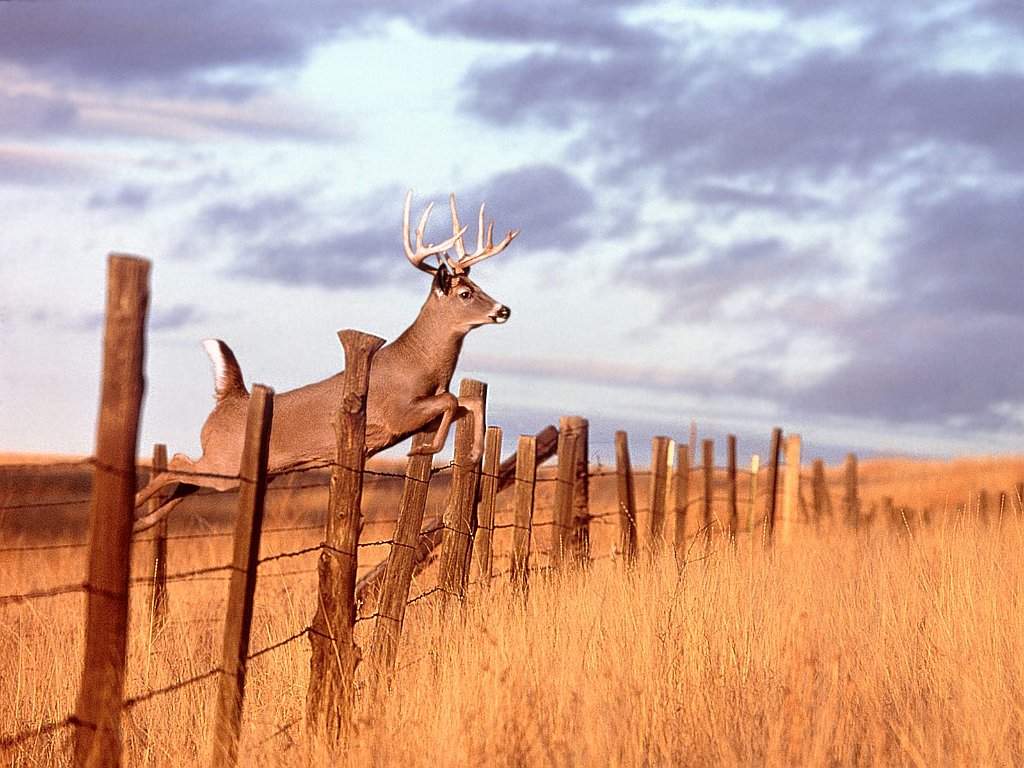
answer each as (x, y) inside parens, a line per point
(751, 497)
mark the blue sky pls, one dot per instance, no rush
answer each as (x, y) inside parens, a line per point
(742, 214)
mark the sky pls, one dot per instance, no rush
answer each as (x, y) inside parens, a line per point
(744, 215)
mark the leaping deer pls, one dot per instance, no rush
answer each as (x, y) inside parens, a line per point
(409, 381)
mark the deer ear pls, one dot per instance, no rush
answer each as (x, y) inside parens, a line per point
(442, 281)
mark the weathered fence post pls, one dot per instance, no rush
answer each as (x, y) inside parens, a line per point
(581, 498)
(460, 511)
(819, 489)
(682, 498)
(708, 458)
(97, 735)
(660, 450)
(334, 655)
(526, 480)
(242, 590)
(394, 591)
(733, 511)
(627, 498)
(791, 488)
(771, 500)
(483, 541)
(851, 501)
(158, 589)
(570, 529)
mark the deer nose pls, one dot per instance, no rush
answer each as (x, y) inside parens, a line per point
(502, 314)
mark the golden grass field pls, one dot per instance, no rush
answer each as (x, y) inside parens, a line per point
(897, 646)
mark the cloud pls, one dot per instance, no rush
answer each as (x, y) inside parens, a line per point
(32, 166)
(962, 251)
(120, 41)
(950, 368)
(31, 115)
(549, 205)
(129, 196)
(160, 318)
(175, 316)
(288, 238)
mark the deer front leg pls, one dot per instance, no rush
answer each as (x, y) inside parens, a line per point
(475, 407)
(425, 410)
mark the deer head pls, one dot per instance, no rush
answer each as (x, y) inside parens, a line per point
(459, 299)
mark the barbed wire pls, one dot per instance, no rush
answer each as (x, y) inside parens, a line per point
(23, 597)
(9, 741)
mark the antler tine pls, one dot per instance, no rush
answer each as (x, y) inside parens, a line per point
(460, 249)
(423, 252)
(483, 250)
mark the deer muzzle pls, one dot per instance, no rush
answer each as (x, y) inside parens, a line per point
(502, 314)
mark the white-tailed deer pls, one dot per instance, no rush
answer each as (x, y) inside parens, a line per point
(409, 381)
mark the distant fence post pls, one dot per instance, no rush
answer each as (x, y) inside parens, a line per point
(526, 480)
(334, 654)
(822, 502)
(627, 498)
(158, 589)
(851, 500)
(708, 458)
(660, 449)
(771, 501)
(733, 511)
(569, 503)
(791, 487)
(483, 541)
(682, 498)
(459, 514)
(401, 561)
(752, 523)
(581, 497)
(242, 591)
(97, 734)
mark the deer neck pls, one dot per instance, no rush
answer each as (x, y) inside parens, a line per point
(433, 343)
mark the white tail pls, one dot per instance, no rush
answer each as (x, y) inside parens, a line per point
(409, 381)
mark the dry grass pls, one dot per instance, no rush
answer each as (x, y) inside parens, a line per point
(881, 650)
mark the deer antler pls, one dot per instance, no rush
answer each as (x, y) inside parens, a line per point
(483, 251)
(422, 252)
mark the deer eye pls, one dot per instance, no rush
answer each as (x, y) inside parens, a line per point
(464, 293)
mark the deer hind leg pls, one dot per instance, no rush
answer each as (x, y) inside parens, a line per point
(187, 477)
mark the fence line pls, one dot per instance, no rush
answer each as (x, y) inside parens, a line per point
(102, 701)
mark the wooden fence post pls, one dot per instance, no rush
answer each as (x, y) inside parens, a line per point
(851, 501)
(755, 468)
(97, 734)
(819, 488)
(733, 511)
(581, 497)
(627, 498)
(682, 498)
(526, 480)
(242, 590)
(460, 510)
(566, 499)
(771, 500)
(660, 450)
(483, 541)
(791, 488)
(394, 591)
(158, 589)
(708, 459)
(334, 656)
